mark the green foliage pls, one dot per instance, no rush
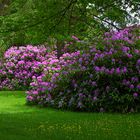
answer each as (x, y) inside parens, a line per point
(33, 22)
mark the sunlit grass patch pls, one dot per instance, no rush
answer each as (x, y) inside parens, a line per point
(19, 121)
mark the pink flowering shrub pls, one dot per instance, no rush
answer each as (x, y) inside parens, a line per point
(105, 78)
(21, 64)
(42, 86)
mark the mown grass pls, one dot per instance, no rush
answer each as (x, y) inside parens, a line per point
(21, 122)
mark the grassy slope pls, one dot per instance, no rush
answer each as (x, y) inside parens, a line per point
(21, 122)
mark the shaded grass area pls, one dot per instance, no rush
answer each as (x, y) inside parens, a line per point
(21, 122)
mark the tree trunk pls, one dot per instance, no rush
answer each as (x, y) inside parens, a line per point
(60, 46)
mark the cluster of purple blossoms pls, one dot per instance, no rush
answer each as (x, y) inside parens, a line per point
(102, 79)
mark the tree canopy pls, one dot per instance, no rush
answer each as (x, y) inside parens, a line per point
(31, 21)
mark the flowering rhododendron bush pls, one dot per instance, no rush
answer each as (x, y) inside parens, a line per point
(21, 64)
(103, 78)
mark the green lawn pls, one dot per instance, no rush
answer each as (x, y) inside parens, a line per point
(21, 122)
